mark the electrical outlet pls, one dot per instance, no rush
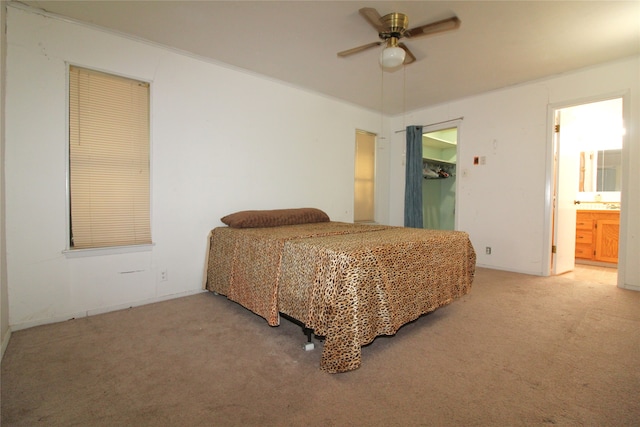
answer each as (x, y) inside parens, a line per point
(164, 276)
(488, 250)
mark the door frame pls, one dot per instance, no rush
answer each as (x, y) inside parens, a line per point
(550, 213)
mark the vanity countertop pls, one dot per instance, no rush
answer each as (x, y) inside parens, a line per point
(586, 206)
(598, 210)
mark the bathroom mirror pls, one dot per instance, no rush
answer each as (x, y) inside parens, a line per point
(600, 171)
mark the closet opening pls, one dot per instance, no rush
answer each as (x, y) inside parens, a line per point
(439, 154)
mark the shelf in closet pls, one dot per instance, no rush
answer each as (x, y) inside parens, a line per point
(437, 161)
(438, 151)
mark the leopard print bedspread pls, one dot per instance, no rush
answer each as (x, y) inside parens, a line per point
(347, 282)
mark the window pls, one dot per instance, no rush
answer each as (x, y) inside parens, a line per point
(364, 186)
(108, 160)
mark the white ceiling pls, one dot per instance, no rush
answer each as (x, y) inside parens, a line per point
(500, 43)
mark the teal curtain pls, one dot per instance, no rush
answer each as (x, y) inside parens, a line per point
(413, 178)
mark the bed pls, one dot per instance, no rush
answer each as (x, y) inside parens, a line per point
(347, 282)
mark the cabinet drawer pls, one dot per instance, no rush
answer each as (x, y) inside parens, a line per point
(584, 224)
(584, 236)
(584, 251)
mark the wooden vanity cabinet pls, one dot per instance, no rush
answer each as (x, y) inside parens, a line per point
(597, 235)
(584, 237)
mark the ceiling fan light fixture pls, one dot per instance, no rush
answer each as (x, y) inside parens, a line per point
(392, 56)
(391, 29)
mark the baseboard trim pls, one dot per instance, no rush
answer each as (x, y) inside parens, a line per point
(510, 270)
(630, 287)
(596, 263)
(101, 310)
(5, 342)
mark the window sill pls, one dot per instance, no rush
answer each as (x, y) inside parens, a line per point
(112, 250)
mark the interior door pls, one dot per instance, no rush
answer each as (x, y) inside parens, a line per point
(567, 155)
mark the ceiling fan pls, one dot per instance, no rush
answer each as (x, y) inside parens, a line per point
(393, 27)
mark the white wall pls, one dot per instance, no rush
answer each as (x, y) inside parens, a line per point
(222, 140)
(225, 140)
(5, 331)
(503, 204)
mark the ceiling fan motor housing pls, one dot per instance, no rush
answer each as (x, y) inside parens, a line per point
(396, 24)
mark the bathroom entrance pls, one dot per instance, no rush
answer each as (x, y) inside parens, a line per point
(587, 148)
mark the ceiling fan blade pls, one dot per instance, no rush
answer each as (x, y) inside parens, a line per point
(373, 17)
(409, 58)
(434, 28)
(358, 49)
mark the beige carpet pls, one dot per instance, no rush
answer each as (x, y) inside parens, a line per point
(517, 351)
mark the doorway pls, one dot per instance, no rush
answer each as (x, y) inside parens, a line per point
(587, 147)
(439, 153)
(364, 188)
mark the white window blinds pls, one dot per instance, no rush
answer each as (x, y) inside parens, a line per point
(108, 160)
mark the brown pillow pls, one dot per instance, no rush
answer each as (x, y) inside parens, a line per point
(274, 218)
